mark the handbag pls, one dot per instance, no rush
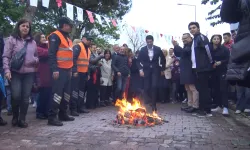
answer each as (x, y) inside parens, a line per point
(18, 59)
(241, 49)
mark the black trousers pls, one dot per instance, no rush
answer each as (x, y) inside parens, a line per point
(105, 93)
(44, 101)
(164, 94)
(21, 85)
(92, 94)
(78, 85)
(204, 91)
(220, 89)
(150, 87)
(60, 93)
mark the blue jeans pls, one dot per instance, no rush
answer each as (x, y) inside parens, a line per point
(120, 86)
(243, 98)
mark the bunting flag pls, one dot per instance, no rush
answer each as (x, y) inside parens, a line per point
(70, 12)
(79, 14)
(45, 3)
(114, 22)
(107, 21)
(59, 3)
(98, 17)
(133, 28)
(146, 31)
(91, 18)
(33, 3)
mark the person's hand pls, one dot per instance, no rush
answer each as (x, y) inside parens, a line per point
(101, 55)
(162, 73)
(174, 42)
(8, 76)
(55, 75)
(119, 74)
(141, 73)
(75, 74)
(214, 65)
(129, 76)
(88, 77)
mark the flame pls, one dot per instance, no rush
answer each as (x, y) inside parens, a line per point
(135, 114)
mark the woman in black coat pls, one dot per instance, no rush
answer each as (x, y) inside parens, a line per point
(220, 56)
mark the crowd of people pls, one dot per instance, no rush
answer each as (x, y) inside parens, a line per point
(64, 79)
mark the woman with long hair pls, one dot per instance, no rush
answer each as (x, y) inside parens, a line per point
(22, 79)
(44, 77)
(220, 55)
(107, 77)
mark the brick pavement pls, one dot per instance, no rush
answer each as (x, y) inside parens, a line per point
(95, 131)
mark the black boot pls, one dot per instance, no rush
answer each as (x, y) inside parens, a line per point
(22, 124)
(81, 110)
(55, 122)
(74, 113)
(2, 122)
(65, 117)
(15, 110)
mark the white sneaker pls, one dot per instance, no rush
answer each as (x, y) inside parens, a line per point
(237, 112)
(225, 111)
(217, 109)
(185, 101)
(247, 110)
(34, 105)
(209, 115)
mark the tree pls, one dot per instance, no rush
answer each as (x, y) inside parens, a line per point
(45, 20)
(135, 38)
(213, 15)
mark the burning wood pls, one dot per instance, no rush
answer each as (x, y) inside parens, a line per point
(135, 114)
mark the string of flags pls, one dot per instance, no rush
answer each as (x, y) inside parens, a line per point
(80, 14)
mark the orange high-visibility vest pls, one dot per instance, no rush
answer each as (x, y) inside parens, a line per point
(64, 54)
(83, 59)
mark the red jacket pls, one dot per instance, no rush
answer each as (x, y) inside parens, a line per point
(43, 72)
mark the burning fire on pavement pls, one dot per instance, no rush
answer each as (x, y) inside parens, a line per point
(135, 114)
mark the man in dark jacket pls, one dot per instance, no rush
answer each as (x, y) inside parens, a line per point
(202, 63)
(2, 122)
(121, 69)
(187, 74)
(148, 65)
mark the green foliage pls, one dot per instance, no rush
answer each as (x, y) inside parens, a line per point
(212, 14)
(45, 20)
(10, 12)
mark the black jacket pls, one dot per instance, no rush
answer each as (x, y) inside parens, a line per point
(187, 76)
(1, 51)
(145, 64)
(120, 64)
(203, 55)
(54, 42)
(221, 54)
(76, 53)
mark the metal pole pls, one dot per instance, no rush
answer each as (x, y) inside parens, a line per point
(195, 12)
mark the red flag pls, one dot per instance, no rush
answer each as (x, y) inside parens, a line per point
(114, 22)
(91, 18)
(146, 31)
(161, 35)
(133, 28)
(59, 3)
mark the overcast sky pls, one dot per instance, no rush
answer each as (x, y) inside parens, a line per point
(169, 18)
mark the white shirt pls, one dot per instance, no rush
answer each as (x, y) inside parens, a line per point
(150, 53)
(193, 59)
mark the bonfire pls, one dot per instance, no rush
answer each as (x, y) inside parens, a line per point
(135, 114)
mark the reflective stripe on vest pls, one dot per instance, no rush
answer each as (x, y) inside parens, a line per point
(83, 59)
(64, 54)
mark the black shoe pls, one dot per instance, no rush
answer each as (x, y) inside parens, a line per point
(22, 124)
(40, 116)
(83, 111)
(185, 108)
(2, 122)
(55, 122)
(66, 118)
(74, 113)
(191, 110)
(201, 113)
(102, 104)
(14, 121)
(9, 113)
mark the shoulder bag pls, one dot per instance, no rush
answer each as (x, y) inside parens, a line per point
(18, 59)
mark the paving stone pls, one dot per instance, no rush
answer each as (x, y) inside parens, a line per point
(115, 142)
